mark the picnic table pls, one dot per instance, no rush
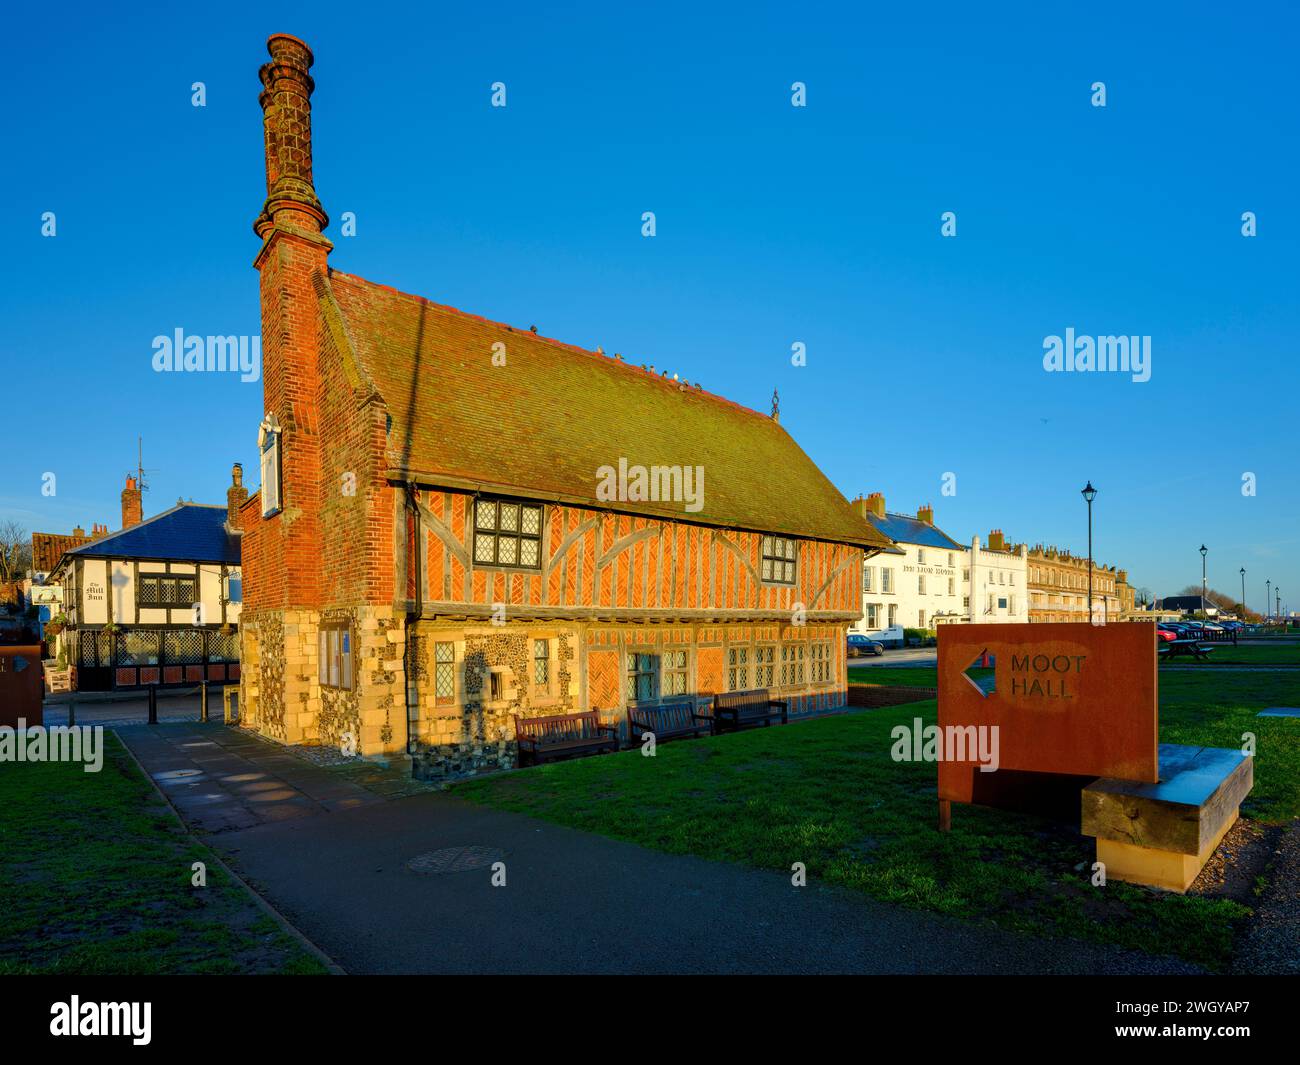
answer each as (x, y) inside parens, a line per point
(1181, 648)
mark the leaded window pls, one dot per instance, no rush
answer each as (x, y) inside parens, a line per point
(223, 647)
(820, 654)
(779, 557)
(166, 589)
(640, 675)
(542, 663)
(138, 647)
(675, 672)
(764, 665)
(737, 669)
(183, 646)
(792, 665)
(444, 672)
(507, 533)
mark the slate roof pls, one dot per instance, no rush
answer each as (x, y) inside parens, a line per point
(1187, 602)
(907, 530)
(542, 425)
(188, 532)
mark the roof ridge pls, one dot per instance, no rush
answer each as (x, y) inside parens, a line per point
(604, 359)
(145, 521)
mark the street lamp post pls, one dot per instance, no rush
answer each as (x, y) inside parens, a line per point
(1204, 551)
(1243, 593)
(1089, 494)
(1278, 593)
(1268, 596)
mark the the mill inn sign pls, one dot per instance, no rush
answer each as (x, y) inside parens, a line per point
(1073, 711)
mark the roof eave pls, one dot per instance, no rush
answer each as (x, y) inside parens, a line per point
(426, 479)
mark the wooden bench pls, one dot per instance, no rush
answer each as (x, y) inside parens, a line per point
(733, 711)
(560, 736)
(673, 721)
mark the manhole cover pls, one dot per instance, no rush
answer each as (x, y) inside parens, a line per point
(455, 859)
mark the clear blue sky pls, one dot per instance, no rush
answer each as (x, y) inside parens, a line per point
(775, 225)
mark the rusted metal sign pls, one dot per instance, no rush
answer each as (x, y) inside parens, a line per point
(1070, 699)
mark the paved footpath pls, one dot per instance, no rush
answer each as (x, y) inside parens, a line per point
(387, 877)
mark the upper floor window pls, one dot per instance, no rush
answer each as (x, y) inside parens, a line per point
(508, 533)
(950, 560)
(920, 556)
(868, 578)
(779, 558)
(166, 589)
(886, 579)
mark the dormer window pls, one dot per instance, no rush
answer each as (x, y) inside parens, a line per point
(268, 445)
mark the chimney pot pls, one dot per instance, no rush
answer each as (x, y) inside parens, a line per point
(236, 494)
(286, 122)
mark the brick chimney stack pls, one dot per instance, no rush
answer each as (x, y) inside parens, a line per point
(235, 496)
(997, 542)
(876, 504)
(293, 272)
(132, 506)
(286, 122)
(926, 514)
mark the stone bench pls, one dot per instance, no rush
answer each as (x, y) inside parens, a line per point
(1161, 835)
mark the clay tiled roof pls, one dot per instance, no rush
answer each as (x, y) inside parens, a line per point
(545, 422)
(48, 548)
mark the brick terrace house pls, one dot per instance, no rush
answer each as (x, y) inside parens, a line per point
(431, 550)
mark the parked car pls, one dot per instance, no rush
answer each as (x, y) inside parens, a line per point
(1166, 634)
(864, 645)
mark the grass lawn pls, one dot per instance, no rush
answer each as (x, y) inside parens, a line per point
(95, 875)
(826, 792)
(1280, 654)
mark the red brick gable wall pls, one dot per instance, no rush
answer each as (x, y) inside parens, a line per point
(599, 560)
(358, 507)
